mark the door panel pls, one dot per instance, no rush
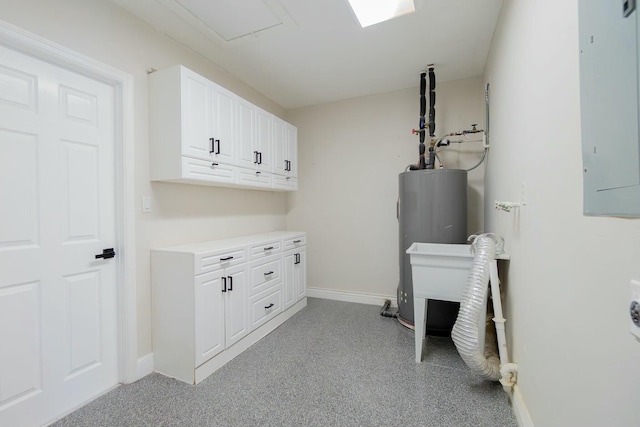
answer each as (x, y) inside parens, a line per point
(20, 362)
(19, 225)
(82, 339)
(80, 168)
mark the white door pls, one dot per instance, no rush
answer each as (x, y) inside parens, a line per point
(58, 335)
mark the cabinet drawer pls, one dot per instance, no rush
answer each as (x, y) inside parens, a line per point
(294, 242)
(265, 273)
(220, 259)
(265, 249)
(253, 178)
(285, 182)
(202, 170)
(265, 306)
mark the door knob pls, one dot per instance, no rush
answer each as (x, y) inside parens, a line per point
(106, 254)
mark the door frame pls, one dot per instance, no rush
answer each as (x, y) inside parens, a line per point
(27, 43)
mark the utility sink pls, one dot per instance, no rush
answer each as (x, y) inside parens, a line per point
(440, 270)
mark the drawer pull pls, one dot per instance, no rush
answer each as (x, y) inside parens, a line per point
(267, 307)
(297, 241)
(269, 248)
(268, 273)
(224, 284)
(230, 283)
(226, 259)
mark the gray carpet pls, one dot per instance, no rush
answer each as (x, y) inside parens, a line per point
(332, 364)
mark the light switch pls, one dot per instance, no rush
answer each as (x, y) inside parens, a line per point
(634, 309)
(146, 204)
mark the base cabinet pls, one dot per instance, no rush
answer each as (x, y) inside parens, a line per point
(212, 300)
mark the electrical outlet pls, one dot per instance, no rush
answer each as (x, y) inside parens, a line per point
(634, 309)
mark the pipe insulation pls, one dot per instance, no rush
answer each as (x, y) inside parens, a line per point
(465, 330)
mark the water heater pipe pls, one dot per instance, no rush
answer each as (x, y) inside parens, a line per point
(465, 330)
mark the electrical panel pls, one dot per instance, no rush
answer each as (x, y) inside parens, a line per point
(609, 84)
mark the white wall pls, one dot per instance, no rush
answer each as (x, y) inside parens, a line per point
(568, 279)
(350, 155)
(181, 213)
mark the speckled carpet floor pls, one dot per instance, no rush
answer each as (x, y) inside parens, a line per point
(332, 364)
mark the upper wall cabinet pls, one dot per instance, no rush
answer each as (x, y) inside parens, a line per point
(285, 163)
(200, 133)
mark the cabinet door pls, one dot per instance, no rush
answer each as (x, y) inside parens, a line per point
(223, 127)
(263, 142)
(195, 115)
(289, 279)
(209, 316)
(245, 128)
(301, 274)
(236, 303)
(292, 149)
(279, 147)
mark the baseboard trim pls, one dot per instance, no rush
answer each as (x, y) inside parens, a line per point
(357, 297)
(520, 409)
(144, 366)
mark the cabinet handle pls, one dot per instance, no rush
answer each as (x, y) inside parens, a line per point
(268, 273)
(288, 178)
(230, 283)
(267, 307)
(214, 164)
(224, 284)
(297, 259)
(297, 241)
(269, 248)
(258, 173)
(213, 146)
(226, 259)
(255, 153)
(260, 157)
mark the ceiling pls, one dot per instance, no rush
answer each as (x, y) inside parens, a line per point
(307, 52)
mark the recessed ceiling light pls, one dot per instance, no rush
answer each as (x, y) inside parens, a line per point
(371, 12)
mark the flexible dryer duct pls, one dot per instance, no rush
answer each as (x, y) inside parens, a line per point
(465, 330)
